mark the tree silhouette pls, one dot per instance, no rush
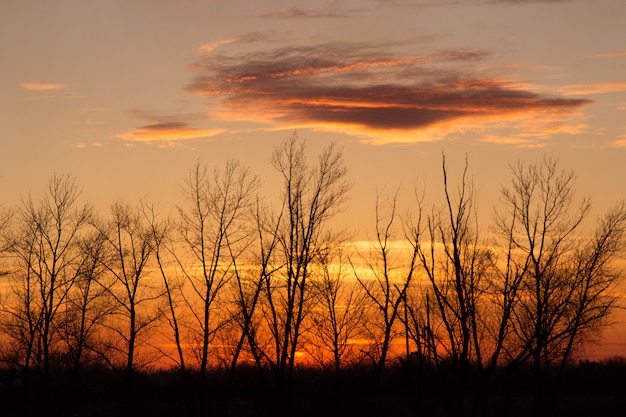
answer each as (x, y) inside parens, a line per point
(435, 311)
(456, 266)
(128, 251)
(211, 226)
(338, 319)
(566, 276)
(46, 261)
(310, 196)
(389, 274)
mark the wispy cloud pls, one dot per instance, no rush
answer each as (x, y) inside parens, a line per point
(245, 38)
(97, 110)
(465, 2)
(522, 2)
(166, 132)
(517, 141)
(535, 130)
(366, 90)
(621, 142)
(42, 86)
(621, 54)
(594, 88)
(345, 9)
(295, 12)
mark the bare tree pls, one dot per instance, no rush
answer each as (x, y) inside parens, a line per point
(212, 229)
(391, 266)
(21, 320)
(44, 251)
(457, 267)
(6, 215)
(163, 247)
(128, 245)
(44, 263)
(311, 195)
(567, 277)
(87, 305)
(338, 319)
(247, 288)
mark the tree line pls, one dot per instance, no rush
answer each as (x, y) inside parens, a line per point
(231, 280)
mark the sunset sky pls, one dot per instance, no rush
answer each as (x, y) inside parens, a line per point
(127, 95)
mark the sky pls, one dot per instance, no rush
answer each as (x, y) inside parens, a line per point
(127, 95)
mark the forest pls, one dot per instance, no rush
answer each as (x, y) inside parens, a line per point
(236, 304)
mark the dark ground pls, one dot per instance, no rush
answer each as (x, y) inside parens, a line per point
(587, 389)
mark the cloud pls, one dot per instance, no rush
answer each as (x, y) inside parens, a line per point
(42, 86)
(522, 2)
(366, 90)
(517, 141)
(295, 12)
(594, 88)
(166, 132)
(245, 38)
(435, 3)
(534, 131)
(96, 110)
(621, 54)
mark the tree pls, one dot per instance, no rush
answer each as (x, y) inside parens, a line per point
(248, 289)
(390, 271)
(567, 276)
(45, 262)
(457, 267)
(87, 305)
(311, 195)
(213, 231)
(337, 320)
(163, 248)
(128, 250)
(43, 246)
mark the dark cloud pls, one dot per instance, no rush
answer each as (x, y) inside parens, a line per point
(163, 126)
(366, 86)
(166, 131)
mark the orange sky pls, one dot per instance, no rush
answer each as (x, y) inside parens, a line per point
(128, 95)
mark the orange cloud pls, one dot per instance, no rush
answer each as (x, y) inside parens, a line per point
(595, 88)
(41, 86)
(612, 55)
(370, 91)
(166, 132)
(533, 130)
(517, 141)
(570, 129)
(246, 38)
